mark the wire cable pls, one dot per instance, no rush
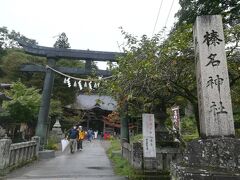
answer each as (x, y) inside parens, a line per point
(169, 13)
(157, 17)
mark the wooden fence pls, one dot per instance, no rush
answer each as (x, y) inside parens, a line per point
(134, 154)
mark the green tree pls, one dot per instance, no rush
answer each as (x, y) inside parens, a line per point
(61, 91)
(138, 77)
(190, 9)
(25, 103)
(186, 17)
(55, 109)
(157, 72)
(180, 72)
(8, 39)
(11, 63)
(62, 41)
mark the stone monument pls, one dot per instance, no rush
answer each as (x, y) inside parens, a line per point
(215, 155)
(214, 100)
(57, 131)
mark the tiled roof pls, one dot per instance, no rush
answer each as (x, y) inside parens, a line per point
(86, 102)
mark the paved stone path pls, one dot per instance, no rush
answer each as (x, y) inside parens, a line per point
(91, 163)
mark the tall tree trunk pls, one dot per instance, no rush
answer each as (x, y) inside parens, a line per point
(160, 113)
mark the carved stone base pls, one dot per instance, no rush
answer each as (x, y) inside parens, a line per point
(216, 158)
(180, 172)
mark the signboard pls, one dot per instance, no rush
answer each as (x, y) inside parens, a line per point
(176, 119)
(149, 144)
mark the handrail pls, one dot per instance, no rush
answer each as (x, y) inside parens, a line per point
(13, 155)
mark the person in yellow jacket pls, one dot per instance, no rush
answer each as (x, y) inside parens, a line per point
(81, 137)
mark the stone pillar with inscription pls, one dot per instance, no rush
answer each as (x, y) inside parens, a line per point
(215, 155)
(214, 100)
(149, 142)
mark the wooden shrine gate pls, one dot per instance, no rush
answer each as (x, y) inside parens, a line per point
(53, 54)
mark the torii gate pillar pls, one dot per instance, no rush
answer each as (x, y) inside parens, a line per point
(42, 124)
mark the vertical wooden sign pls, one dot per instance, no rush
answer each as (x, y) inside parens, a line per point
(176, 119)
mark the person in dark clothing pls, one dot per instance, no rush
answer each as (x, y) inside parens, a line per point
(89, 135)
(73, 136)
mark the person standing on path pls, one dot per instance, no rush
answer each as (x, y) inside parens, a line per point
(73, 136)
(81, 137)
(89, 135)
(95, 134)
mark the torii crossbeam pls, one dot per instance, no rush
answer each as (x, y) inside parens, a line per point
(73, 54)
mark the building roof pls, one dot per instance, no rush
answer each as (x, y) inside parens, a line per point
(87, 102)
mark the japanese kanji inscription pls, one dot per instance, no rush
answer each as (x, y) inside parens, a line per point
(149, 144)
(214, 100)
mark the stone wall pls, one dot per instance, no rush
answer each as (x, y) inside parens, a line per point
(204, 159)
(134, 154)
(17, 154)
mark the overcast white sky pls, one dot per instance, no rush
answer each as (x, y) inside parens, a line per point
(88, 24)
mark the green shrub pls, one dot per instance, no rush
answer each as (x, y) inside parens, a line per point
(188, 126)
(189, 137)
(236, 118)
(52, 143)
(121, 165)
(115, 145)
(237, 133)
(136, 138)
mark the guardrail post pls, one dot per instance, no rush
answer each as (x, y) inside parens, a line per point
(37, 139)
(4, 154)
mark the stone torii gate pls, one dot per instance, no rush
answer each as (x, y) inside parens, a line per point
(53, 54)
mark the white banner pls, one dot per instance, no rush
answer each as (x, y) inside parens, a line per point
(149, 144)
(176, 119)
